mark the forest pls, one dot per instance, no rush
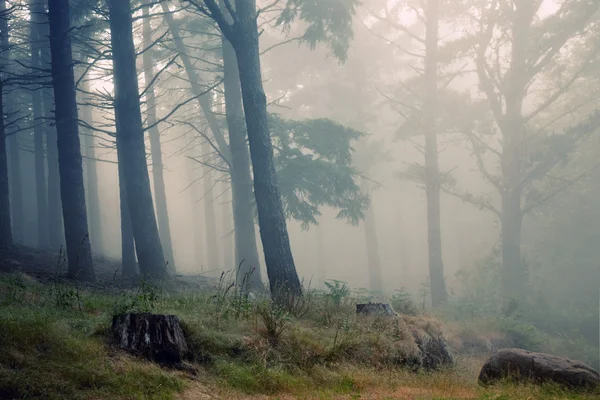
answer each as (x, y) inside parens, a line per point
(254, 176)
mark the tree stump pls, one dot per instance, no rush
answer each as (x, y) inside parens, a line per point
(377, 309)
(156, 337)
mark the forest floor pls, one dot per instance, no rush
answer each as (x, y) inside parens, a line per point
(55, 343)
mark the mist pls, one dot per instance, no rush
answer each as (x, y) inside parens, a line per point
(446, 149)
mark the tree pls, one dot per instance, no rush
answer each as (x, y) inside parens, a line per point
(162, 211)
(6, 238)
(533, 45)
(93, 195)
(36, 11)
(439, 294)
(243, 36)
(79, 249)
(130, 142)
(203, 98)
(55, 231)
(420, 107)
(241, 180)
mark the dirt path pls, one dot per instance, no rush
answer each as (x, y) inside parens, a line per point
(201, 391)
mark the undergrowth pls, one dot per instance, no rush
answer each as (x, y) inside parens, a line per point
(317, 348)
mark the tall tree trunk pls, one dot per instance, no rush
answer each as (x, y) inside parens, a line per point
(130, 141)
(246, 260)
(129, 268)
(514, 277)
(439, 294)
(373, 259)
(93, 193)
(37, 19)
(79, 249)
(16, 188)
(6, 236)
(162, 212)
(55, 226)
(227, 228)
(281, 269)
(210, 220)
(321, 264)
(198, 240)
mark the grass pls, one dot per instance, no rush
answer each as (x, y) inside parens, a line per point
(55, 344)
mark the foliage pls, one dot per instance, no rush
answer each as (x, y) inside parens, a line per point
(327, 21)
(50, 352)
(315, 169)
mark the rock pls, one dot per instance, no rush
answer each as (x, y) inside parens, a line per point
(156, 337)
(375, 309)
(434, 351)
(521, 365)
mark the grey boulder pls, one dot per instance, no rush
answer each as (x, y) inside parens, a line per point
(521, 365)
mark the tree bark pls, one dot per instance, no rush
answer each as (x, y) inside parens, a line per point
(198, 241)
(210, 220)
(16, 189)
(162, 211)
(226, 210)
(439, 294)
(36, 10)
(514, 277)
(130, 141)
(246, 260)
(79, 250)
(129, 268)
(6, 236)
(281, 269)
(93, 193)
(321, 264)
(373, 259)
(55, 226)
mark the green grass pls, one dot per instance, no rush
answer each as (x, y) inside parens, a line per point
(54, 344)
(51, 352)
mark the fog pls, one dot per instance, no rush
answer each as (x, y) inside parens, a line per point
(505, 134)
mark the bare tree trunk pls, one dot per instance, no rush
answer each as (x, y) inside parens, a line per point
(321, 264)
(93, 193)
(37, 19)
(373, 259)
(6, 235)
(226, 210)
(281, 269)
(210, 220)
(129, 268)
(439, 294)
(79, 249)
(16, 188)
(130, 141)
(514, 277)
(55, 226)
(196, 220)
(162, 211)
(246, 250)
